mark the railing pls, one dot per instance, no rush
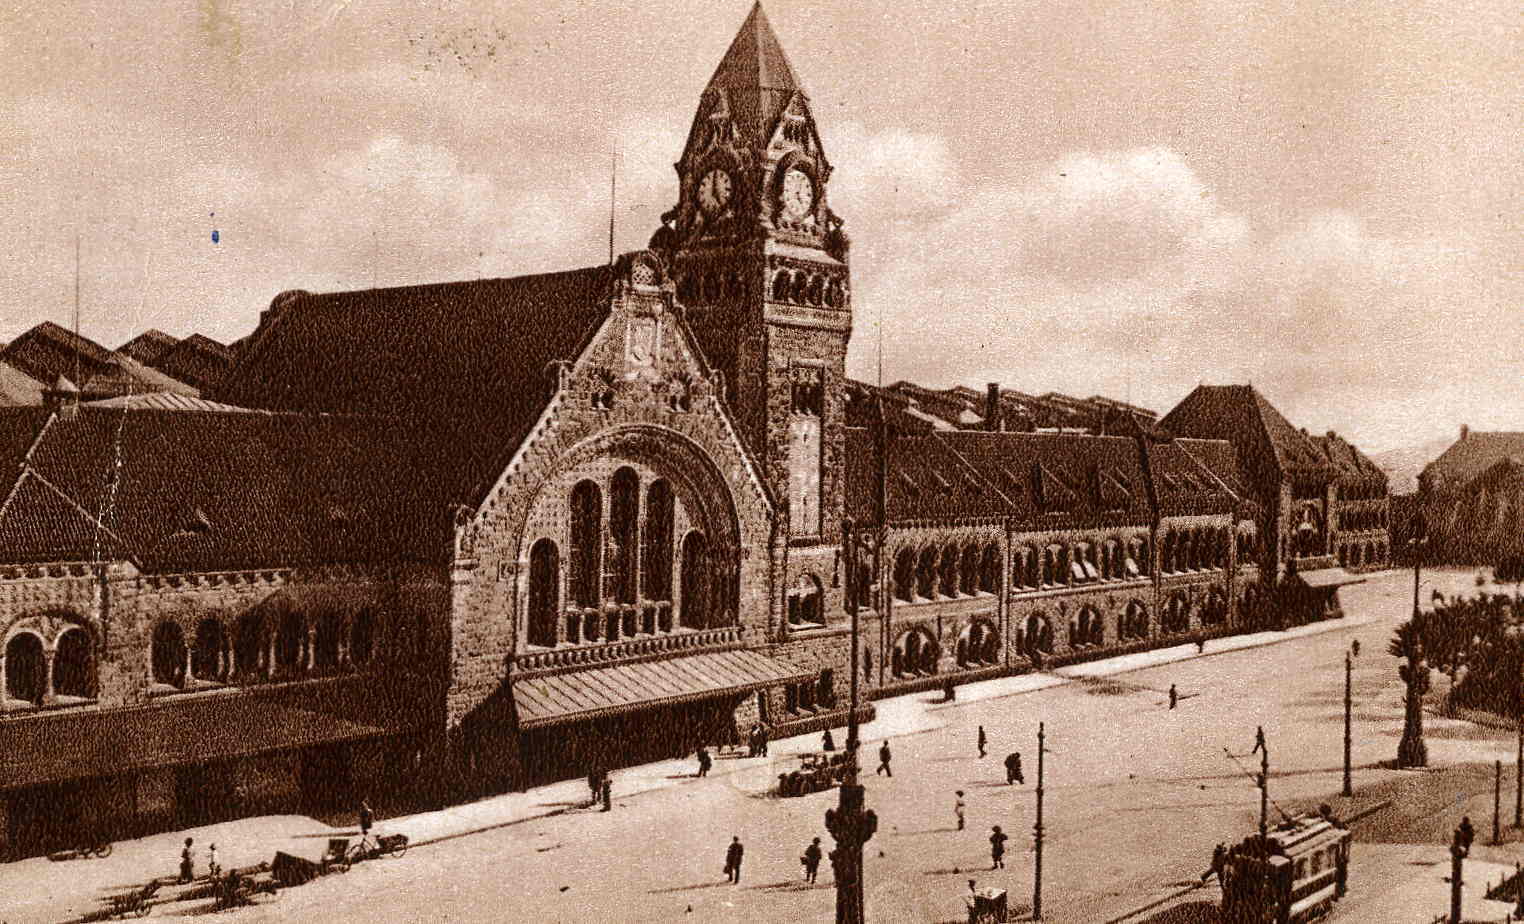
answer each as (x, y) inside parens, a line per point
(596, 653)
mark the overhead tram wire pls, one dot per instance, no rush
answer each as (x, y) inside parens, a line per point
(1254, 778)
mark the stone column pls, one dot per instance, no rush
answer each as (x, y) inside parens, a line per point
(189, 674)
(225, 658)
(308, 648)
(48, 696)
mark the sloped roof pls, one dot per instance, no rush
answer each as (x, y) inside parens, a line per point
(925, 479)
(17, 389)
(1182, 485)
(1346, 457)
(148, 346)
(464, 363)
(1474, 453)
(168, 401)
(1240, 414)
(1059, 478)
(197, 360)
(140, 377)
(755, 78)
(176, 491)
(48, 351)
(1218, 457)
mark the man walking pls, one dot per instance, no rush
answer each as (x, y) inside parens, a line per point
(883, 760)
(811, 860)
(982, 741)
(1219, 860)
(366, 817)
(1013, 768)
(1174, 697)
(704, 763)
(958, 808)
(608, 792)
(733, 856)
(997, 849)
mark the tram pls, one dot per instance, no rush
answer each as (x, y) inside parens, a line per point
(1293, 873)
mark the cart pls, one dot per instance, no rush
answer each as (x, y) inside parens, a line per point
(986, 906)
(236, 890)
(816, 772)
(136, 903)
(369, 848)
(336, 858)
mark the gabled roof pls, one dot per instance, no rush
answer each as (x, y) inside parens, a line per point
(1053, 479)
(48, 351)
(1346, 457)
(925, 480)
(177, 492)
(1182, 485)
(1218, 457)
(1240, 414)
(1474, 453)
(755, 81)
(148, 346)
(464, 364)
(17, 389)
(197, 360)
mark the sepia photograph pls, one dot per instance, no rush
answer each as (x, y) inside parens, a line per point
(736, 461)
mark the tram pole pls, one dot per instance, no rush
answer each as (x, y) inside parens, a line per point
(1518, 785)
(1497, 799)
(1037, 831)
(849, 823)
(1264, 787)
(1348, 708)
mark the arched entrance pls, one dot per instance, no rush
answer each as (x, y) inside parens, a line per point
(73, 664)
(26, 668)
(915, 654)
(978, 644)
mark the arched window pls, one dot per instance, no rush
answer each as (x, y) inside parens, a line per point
(544, 593)
(968, 572)
(695, 581)
(1039, 634)
(586, 542)
(169, 655)
(781, 286)
(1177, 615)
(26, 668)
(362, 636)
(1050, 566)
(1034, 567)
(206, 660)
(624, 517)
(948, 568)
(73, 664)
(248, 647)
(904, 575)
(989, 570)
(1134, 622)
(926, 574)
(805, 606)
(1064, 574)
(325, 640)
(290, 644)
(656, 542)
(801, 289)
(812, 295)
(915, 654)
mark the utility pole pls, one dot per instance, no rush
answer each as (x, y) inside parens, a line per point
(1037, 830)
(1348, 706)
(1497, 799)
(849, 823)
(1518, 785)
(1457, 852)
(1264, 787)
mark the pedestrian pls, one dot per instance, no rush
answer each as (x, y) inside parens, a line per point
(608, 792)
(755, 741)
(704, 762)
(826, 742)
(883, 760)
(763, 731)
(1354, 647)
(958, 807)
(1219, 860)
(188, 861)
(212, 869)
(366, 817)
(982, 741)
(1200, 644)
(811, 860)
(733, 855)
(594, 781)
(1174, 697)
(949, 693)
(1013, 768)
(997, 849)
(1465, 834)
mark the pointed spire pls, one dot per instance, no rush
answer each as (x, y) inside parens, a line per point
(755, 59)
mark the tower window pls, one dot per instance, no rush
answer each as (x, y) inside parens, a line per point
(781, 283)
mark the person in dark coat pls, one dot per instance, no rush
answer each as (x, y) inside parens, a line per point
(1174, 697)
(1465, 834)
(982, 741)
(948, 691)
(594, 783)
(827, 743)
(188, 861)
(883, 760)
(1354, 647)
(733, 855)
(1013, 768)
(811, 860)
(997, 848)
(704, 762)
(608, 792)
(366, 817)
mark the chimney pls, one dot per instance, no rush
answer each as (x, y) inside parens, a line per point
(1465, 431)
(992, 415)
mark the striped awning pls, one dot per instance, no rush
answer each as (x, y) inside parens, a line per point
(601, 691)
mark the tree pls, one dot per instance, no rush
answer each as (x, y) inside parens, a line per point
(1510, 570)
(1407, 643)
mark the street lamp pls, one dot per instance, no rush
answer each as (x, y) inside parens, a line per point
(1411, 751)
(849, 823)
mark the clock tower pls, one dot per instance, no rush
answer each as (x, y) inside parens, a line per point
(761, 264)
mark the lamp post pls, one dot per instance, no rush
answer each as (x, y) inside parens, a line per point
(1037, 831)
(1348, 709)
(1411, 751)
(849, 823)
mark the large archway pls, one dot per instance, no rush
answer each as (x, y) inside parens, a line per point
(26, 668)
(1038, 635)
(978, 644)
(74, 664)
(915, 654)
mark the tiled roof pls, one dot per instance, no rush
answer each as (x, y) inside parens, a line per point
(1219, 458)
(755, 78)
(148, 346)
(205, 492)
(925, 480)
(1346, 457)
(197, 360)
(17, 389)
(1240, 414)
(1182, 485)
(48, 351)
(1057, 479)
(1473, 454)
(463, 364)
(167, 401)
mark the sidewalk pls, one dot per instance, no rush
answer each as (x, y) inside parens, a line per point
(41, 890)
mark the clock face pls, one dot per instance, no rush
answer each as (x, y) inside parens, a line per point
(798, 193)
(714, 190)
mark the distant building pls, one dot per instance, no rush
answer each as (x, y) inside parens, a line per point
(1471, 498)
(49, 361)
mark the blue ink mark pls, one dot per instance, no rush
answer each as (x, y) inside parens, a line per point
(214, 235)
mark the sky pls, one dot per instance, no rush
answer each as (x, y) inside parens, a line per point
(1121, 198)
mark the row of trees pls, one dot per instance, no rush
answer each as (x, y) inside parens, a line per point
(1478, 642)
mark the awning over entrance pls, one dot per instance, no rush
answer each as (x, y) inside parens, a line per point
(603, 691)
(1328, 577)
(52, 748)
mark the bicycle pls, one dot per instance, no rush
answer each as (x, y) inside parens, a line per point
(371, 848)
